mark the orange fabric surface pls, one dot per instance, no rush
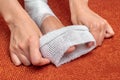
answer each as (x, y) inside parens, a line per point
(102, 63)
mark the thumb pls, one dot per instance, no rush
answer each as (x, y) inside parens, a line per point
(35, 55)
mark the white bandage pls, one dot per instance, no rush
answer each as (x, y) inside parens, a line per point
(54, 44)
(38, 10)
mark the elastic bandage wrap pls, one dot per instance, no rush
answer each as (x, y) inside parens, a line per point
(54, 44)
(38, 10)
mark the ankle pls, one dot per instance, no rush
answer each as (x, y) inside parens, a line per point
(50, 23)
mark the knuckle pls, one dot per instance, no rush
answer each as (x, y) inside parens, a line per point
(15, 47)
(31, 39)
(100, 26)
(12, 49)
(103, 24)
(96, 27)
(21, 45)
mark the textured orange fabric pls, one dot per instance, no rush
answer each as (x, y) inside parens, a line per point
(101, 64)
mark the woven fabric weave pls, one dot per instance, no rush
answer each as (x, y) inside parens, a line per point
(56, 43)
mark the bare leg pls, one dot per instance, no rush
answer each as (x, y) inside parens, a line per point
(82, 14)
(24, 41)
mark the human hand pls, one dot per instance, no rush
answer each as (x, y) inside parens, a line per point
(24, 43)
(98, 26)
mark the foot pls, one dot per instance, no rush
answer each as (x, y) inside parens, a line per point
(51, 23)
(82, 14)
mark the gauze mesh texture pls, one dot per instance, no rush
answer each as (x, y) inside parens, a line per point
(53, 45)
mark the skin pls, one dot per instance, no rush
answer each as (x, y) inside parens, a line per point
(51, 23)
(24, 41)
(82, 14)
(98, 26)
(25, 34)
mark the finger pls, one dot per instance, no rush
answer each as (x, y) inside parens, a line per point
(102, 34)
(109, 31)
(25, 50)
(15, 59)
(90, 44)
(96, 36)
(23, 58)
(70, 50)
(35, 55)
(96, 33)
(101, 38)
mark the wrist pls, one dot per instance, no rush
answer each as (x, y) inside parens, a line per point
(15, 20)
(81, 3)
(12, 12)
